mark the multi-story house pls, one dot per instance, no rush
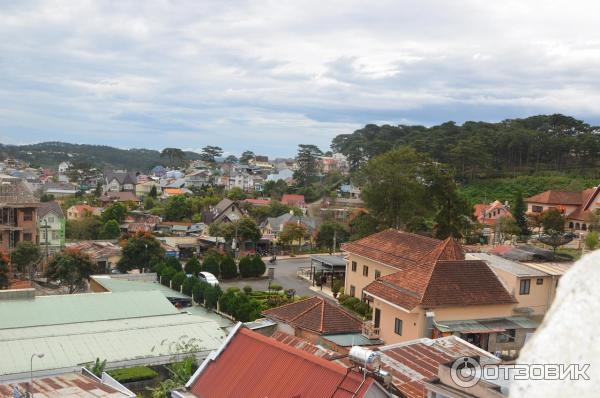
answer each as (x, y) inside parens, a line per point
(18, 217)
(120, 181)
(423, 287)
(51, 227)
(488, 214)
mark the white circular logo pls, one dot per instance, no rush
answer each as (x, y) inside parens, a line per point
(464, 372)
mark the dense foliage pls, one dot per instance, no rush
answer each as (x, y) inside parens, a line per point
(71, 269)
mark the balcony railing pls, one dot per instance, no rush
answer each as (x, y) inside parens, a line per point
(369, 330)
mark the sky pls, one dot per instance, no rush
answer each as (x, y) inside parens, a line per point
(269, 75)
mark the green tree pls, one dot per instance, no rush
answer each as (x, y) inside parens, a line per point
(71, 269)
(4, 277)
(210, 153)
(293, 232)
(97, 367)
(506, 226)
(175, 155)
(178, 280)
(98, 190)
(148, 203)
(87, 228)
(246, 267)
(153, 192)
(198, 291)
(231, 159)
(330, 232)
(552, 221)
(47, 197)
(246, 157)
(26, 257)
(111, 230)
(139, 252)
(308, 164)
(591, 240)
(211, 264)
(519, 213)
(211, 296)
(258, 266)
(116, 212)
(247, 230)
(236, 194)
(166, 275)
(362, 225)
(188, 285)
(193, 266)
(452, 212)
(228, 268)
(177, 208)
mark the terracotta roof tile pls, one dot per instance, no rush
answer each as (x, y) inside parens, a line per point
(318, 315)
(556, 197)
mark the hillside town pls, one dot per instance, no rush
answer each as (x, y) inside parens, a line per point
(160, 282)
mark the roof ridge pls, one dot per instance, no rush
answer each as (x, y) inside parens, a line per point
(312, 307)
(322, 315)
(288, 304)
(342, 310)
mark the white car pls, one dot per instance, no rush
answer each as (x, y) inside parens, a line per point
(208, 278)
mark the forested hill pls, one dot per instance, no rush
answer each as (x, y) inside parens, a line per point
(544, 143)
(50, 154)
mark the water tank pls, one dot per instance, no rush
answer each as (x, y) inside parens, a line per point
(365, 358)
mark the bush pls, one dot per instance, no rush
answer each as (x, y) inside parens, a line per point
(246, 267)
(247, 289)
(258, 266)
(228, 268)
(193, 266)
(188, 285)
(198, 291)
(178, 280)
(336, 286)
(242, 307)
(211, 264)
(166, 274)
(275, 287)
(356, 305)
(591, 240)
(174, 263)
(158, 267)
(128, 375)
(212, 295)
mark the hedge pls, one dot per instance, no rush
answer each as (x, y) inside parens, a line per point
(128, 375)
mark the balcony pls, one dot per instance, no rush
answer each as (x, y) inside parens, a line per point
(369, 330)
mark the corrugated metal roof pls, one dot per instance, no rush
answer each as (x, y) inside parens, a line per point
(330, 260)
(89, 307)
(512, 267)
(352, 339)
(70, 345)
(124, 285)
(486, 325)
(551, 268)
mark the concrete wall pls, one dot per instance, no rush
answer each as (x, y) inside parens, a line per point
(540, 296)
(357, 279)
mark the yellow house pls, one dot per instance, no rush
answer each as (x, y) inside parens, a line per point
(423, 287)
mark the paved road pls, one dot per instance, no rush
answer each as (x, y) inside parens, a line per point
(285, 275)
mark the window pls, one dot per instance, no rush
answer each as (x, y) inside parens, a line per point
(55, 235)
(365, 270)
(352, 290)
(377, 318)
(537, 209)
(50, 220)
(524, 286)
(377, 273)
(539, 281)
(353, 266)
(398, 326)
(27, 215)
(506, 337)
(27, 236)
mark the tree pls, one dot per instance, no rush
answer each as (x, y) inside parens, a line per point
(212, 295)
(552, 221)
(292, 232)
(506, 226)
(246, 157)
(148, 203)
(188, 285)
(246, 267)
(332, 232)
(258, 266)
(166, 275)
(173, 154)
(362, 225)
(451, 217)
(87, 228)
(307, 160)
(46, 197)
(25, 257)
(116, 211)
(231, 159)
(198, 291)
(139, 251)
(193, 266)
(209, 153)
(111, 230)
(247, 230)
(178, 280)
(71, 269)
(236, 194)
(4, 277)
(519, 213)
(228, 268)
(153, 192)
(174, 263)
(591, 240)
(177, 208)
(98, 189)
(211, 264)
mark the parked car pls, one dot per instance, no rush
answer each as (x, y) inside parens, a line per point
(208, 278)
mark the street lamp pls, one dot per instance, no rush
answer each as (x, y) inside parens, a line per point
(41, 355)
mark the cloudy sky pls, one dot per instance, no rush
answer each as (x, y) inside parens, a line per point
(268, 75)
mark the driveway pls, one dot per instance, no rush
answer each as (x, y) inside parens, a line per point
(285, 275)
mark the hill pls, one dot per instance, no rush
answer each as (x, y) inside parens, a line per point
(50, 154)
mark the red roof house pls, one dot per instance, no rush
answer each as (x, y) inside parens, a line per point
(293, 200)
(251, 365)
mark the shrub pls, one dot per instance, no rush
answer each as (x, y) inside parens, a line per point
(128, 375)
(193, 266)
(174, 263)
(228, 268)
(211, 264)
(188, 285)
(591, 240)
(212, 295)
(275, 287)
(242, 307)
(247, 289)
(198, 291)
(246, 267)
(158, 267)
(178, 280)
(166, 274)
(258, 266)
(336, 286)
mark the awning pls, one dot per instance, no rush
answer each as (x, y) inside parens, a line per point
(492, 325)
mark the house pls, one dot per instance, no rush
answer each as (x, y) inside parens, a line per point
(224, 211)
(63, 167)
(126, 197)
(18, 216)
(158, 171)
(104, 254)
(79, 211)
(197, 179)
(59, 190)
(289, 199)
(258, 202)
(284, 174)
(168, 192)
(350, 191)
(143, 189)
(51, 227)
(423, 287)
(258, 366)
(274, 225)
(575, 206)
(488, 214)
(321, 322)
(120, 181)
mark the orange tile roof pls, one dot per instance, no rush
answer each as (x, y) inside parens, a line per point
(318, 315)
(255, 366)
(556, 197)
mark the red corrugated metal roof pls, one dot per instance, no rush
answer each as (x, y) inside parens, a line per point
(256, 366)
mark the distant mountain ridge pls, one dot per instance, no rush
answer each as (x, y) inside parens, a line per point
(50, 154)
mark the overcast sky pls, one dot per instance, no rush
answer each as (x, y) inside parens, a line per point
(268, 75)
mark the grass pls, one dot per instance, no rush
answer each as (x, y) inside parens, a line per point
(575, 253)
(128, 375)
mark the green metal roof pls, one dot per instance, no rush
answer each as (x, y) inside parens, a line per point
(149, 340)
(76, 308)
(123, 285)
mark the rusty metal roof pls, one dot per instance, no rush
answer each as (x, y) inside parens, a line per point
(70, 385)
